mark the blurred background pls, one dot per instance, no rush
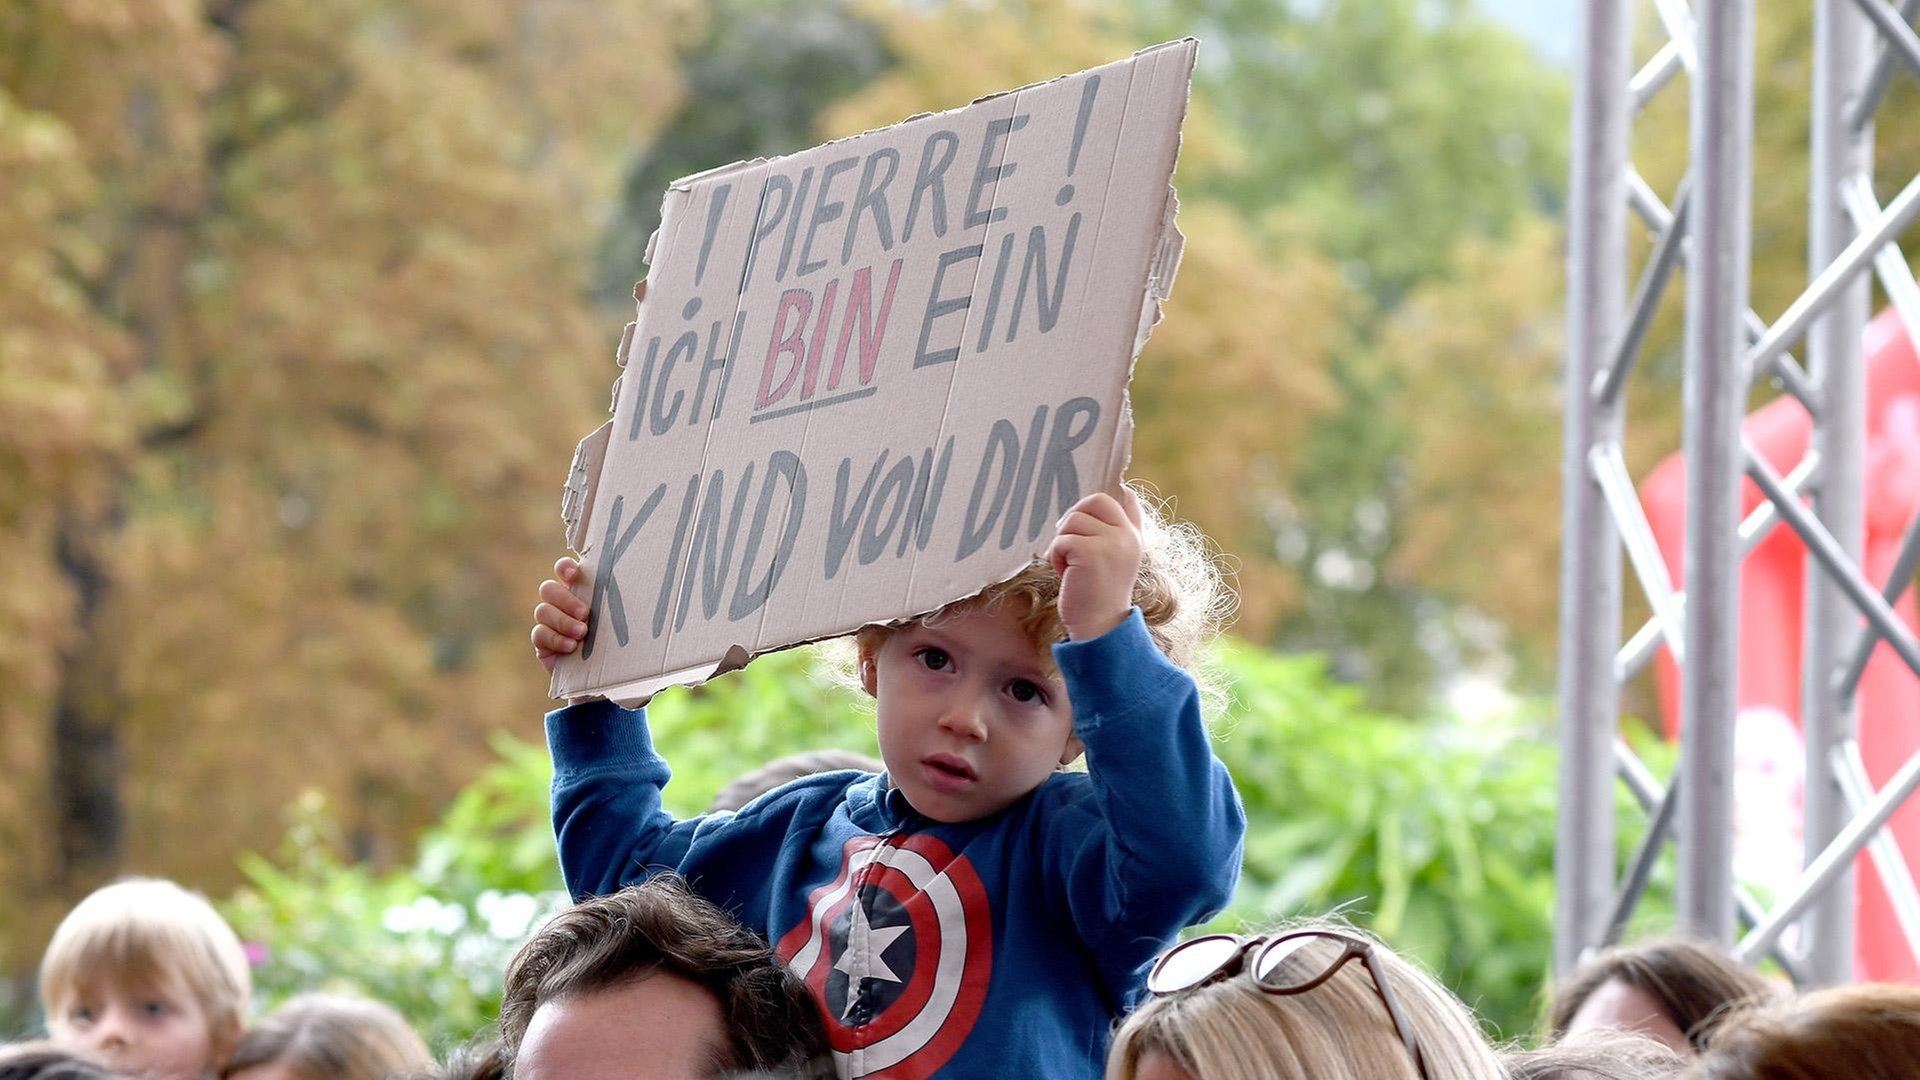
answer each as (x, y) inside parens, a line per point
(306, 304)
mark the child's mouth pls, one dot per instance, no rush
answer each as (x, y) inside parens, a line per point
(947, 773)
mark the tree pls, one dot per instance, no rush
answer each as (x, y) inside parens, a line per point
(307, 344)
(59, 433)
(1229, 384)
(1378, 131)
(1379, 137)
(1475, 361)
(754, 87)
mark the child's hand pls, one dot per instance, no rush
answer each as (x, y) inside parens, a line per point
(559, 623)
(1097, 555)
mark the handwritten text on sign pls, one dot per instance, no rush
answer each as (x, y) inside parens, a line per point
(868, 378)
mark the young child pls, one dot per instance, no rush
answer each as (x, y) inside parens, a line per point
(973, 910)
(147, 979)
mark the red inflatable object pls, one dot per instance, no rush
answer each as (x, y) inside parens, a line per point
(1772, 594)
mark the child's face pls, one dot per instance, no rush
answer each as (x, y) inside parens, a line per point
(971, 716)
(163, 1032)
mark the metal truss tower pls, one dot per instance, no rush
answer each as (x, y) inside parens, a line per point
(1705, 226)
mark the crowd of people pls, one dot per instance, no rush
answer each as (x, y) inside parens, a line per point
(145, 981)
(977, 905)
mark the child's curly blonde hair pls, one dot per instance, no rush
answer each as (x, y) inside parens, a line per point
(1181, 592)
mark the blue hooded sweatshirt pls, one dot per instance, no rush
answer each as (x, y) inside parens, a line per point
(1001, 947)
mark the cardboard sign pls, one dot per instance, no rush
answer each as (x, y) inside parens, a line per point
(868, 378)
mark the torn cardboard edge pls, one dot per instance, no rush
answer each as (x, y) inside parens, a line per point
(590, 457)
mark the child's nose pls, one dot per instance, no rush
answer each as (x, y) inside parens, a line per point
(111, 1033)
(964, 720)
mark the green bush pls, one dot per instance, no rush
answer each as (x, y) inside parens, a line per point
(1437, 835)
(433, 938)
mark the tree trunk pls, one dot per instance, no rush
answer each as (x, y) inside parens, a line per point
(89, 816)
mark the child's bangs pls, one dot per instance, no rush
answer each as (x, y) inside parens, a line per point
(132, 953)
(151, 935)
(1033, 595)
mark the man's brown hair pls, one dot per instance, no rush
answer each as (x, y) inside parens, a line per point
(1860, 1032)
(1694, 984)
(661, 926)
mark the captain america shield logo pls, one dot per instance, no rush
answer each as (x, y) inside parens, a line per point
(897, 950)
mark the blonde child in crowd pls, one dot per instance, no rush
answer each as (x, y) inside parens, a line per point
(147, 979)
(974, 910)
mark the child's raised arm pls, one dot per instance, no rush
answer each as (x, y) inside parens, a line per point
(560, 620)
(1152, 843)
(1097, 555)
(609, 820)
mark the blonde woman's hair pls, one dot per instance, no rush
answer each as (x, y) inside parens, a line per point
(1179, 590)
(333, 1037)
(148, 932)
(1230, 1029)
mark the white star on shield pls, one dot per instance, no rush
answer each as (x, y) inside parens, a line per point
(870, 942)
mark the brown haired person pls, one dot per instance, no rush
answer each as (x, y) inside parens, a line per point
(328, 1037)
(1867, 1032)
(655, 981)
(1671, 989)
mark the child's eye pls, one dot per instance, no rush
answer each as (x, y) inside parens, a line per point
(1025, 692)
(934, 658)
(156, 1009)
(80, 1014)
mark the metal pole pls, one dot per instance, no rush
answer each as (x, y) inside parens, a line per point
(1637, 653)
(1722, 148)
(1826, 555)
(1889, 265)
(1779, 363)
(1590, 559)
(1838, 275)
(1649, 794)
(1831, 863)
(1860, 111)
(1888, 862)
(1841, 38)
(1905, 565)
(1643, 552)
(1646, 300)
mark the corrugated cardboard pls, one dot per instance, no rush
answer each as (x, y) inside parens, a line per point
(867, 379)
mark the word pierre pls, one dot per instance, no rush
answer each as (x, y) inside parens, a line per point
(806, 313)
(1025, 479)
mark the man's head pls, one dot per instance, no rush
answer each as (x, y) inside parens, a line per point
(657, 975)
(145, 977)
(972, 712)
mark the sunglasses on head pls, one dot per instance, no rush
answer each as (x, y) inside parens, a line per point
(1201, 960)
